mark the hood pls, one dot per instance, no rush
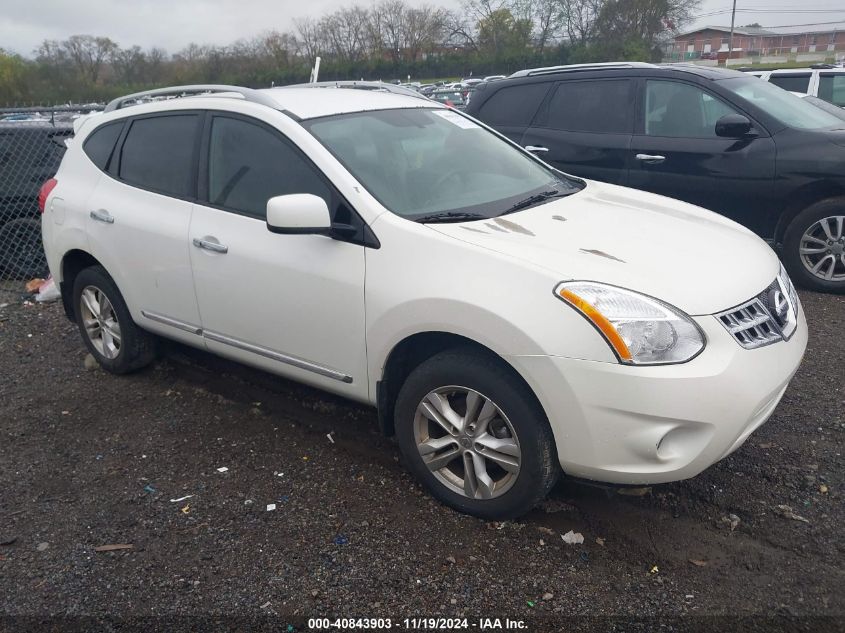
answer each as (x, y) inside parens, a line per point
(694, 259)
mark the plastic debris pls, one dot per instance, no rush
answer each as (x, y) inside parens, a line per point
(787, 513)
(823, 489)
(113, 547)
(181, 499)
(329, 435)
(599, 541)
(223, 469)
(265, 605)
(573, 538)
(248, 502)
(698, 563)
(654, 570)
(186, 509)
(149, 488)
(271, 507)
(531, 603)
(283, 499)
(340, 539)
(47, 291)
(732, 520)
(634, 492)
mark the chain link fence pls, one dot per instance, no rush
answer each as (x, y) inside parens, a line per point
(32, 143)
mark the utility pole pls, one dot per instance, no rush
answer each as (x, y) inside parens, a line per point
(731, 40)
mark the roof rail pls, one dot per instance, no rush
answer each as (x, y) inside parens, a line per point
(248, 94)
(361, 85)
(530, 72)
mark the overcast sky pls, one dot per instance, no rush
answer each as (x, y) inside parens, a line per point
(172, 24)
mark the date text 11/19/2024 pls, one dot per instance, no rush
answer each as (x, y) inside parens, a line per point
(416, 624)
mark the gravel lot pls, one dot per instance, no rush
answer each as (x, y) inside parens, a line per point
(88, 459)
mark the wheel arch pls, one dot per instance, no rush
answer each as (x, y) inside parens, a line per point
(412, 351)
(802, 198)
(73, 262)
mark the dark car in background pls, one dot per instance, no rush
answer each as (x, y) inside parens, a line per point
(451, 97)
(31, 148)
(713, 137)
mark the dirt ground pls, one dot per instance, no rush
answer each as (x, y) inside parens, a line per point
(88, 459)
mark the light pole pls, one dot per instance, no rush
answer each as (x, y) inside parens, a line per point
(731, 39)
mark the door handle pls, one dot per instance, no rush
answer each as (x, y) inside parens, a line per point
(210, 244)
(101, 215)
(650, 159)
(536, 148)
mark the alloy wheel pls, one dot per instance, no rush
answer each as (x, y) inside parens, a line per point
(822, 248)
(467, 442)
(100, 321)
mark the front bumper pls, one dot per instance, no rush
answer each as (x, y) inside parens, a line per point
(642, 425)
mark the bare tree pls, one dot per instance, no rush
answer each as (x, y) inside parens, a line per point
(309, 38)
(89, 54)
(128, 64)
(579, 19)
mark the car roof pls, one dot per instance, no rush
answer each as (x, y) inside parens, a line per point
(707, 72)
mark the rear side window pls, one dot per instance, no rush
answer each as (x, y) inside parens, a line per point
(591, 106)
(158, 154)
(249, 164)
(100, 143)
(794, 82)
(832, 88)
(514, 105)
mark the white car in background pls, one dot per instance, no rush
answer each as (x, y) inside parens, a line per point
(826, 82)
(508, 321)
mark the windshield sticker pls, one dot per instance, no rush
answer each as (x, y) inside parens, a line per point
(457, 119)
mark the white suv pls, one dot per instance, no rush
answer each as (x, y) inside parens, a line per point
(505, 318)
(825, 82)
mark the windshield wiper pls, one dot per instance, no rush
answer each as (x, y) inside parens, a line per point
(536, 199)
(450, 216)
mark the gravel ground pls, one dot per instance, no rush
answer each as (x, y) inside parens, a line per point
(88, 459)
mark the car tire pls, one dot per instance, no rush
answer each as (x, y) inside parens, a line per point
(809, 230)
(518, 429)
(106, 326)
(21, 252)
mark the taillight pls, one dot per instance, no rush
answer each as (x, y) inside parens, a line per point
(44, 193)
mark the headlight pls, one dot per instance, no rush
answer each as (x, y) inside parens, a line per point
(639, 329)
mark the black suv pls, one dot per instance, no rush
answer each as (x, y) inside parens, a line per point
(716, 138)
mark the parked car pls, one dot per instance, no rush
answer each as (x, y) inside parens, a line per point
(31, 148)
(508, 321)
(494, 77)
(450, 97)
(712, 137)
(827, 106)
(826, 81)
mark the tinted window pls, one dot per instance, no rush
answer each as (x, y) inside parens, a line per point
(158, 153)
(591, 106)
(832, 88)
(682, 110)
(249, 164)
(515, 105)
(100, 143)
(780, 104)
(798, 82)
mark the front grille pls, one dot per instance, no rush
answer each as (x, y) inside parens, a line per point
(769, 317)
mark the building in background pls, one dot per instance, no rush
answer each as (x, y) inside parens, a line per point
(713, 42)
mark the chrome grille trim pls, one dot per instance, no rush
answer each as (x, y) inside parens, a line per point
(757, 323)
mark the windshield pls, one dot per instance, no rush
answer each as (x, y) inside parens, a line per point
(790, 110)
(435, 164)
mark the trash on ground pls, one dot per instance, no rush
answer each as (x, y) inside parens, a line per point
(340, 539)
(599, 541)
(48, 291)
(33, 285)
(329, 435)
(823, 489)
(634, 492)
(181, 499)
(654, 570)
(451, 559)
(248, 502)
(698, 563)
(265, 605)
(573, 538)
(223, 469)
(732, 520)
(113, 547)
(531, 603)
(787, 513)
(186, 509)
(149, 488)
(271, 507)
(548, 595)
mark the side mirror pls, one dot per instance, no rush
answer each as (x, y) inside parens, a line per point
(298, 213)
(733, 126)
